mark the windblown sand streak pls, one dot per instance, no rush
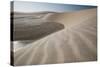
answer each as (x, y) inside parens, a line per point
(76, 42)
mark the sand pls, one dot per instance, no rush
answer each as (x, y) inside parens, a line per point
(76, 42)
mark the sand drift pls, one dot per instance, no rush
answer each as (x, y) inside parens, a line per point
(50, 37)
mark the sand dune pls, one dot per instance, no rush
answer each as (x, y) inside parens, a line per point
(76, 42)
(37, 31)
(32, 26)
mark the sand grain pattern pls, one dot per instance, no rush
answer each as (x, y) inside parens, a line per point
(76, 42)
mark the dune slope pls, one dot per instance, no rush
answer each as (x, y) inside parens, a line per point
(76, 42)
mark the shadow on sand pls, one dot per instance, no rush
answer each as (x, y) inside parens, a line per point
(36, 32)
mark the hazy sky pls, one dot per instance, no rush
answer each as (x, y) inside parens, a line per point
(22, 6)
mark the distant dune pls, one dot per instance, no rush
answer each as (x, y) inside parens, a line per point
(32, 26)
(67, 18)
(76, 42)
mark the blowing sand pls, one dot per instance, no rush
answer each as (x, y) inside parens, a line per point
(76, 42)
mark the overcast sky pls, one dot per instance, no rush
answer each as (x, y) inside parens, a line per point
(23, 6)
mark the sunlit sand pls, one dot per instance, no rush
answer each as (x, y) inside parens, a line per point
(75, 41)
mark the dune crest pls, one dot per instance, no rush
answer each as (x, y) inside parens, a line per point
(76, 42)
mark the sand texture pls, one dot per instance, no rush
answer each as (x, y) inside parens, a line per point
(67, 37)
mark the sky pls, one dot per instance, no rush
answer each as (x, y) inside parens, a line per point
(23, 6)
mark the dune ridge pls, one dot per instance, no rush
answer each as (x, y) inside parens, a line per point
(77, 42)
